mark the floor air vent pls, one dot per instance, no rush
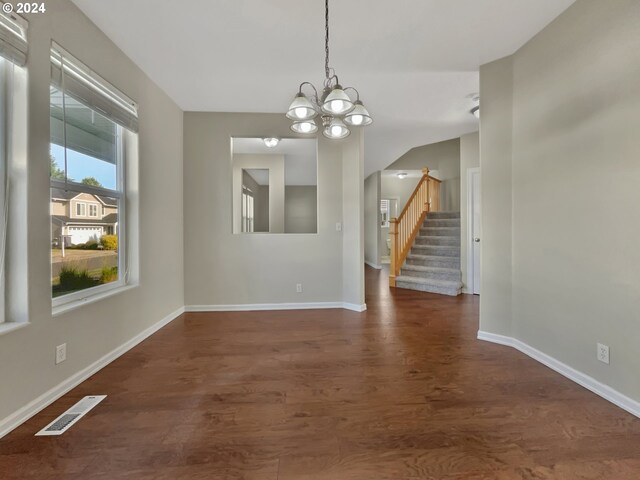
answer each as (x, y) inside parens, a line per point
(71, 416)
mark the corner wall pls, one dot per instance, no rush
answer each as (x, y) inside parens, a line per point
(226, 270)
(27, 369)
(560, 176)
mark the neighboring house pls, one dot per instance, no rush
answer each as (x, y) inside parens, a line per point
(81, 217)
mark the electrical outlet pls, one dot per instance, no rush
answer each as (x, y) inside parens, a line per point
(298, 288)
(603, 353)
(61, 353)
(338, 227)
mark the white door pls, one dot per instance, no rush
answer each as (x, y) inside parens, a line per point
(476, 233)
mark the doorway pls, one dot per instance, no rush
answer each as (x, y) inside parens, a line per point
(474, 230)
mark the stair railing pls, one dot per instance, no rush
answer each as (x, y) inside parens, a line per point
(404, 229)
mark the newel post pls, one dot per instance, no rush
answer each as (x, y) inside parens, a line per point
(427, 204)
(393, 233)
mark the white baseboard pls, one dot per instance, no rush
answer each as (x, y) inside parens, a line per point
(590, 383)
(275, 306)
(373, 265)
(29, 410)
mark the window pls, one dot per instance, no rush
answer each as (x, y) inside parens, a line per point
(81, 209)
(248, 213)
(13, 55)
(384, 212)
(90, 124)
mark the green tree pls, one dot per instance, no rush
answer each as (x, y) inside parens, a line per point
(56, 172)
(93, 181)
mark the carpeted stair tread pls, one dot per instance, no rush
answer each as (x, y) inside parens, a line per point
(444, 287)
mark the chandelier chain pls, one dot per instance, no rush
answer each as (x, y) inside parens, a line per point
(326, 38)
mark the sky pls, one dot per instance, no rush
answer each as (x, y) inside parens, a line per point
(81, 166)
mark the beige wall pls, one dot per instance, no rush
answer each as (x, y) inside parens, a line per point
(495, 185)
(443, 157)
(226, 269)
(562, 274)
(469, 158)
(92, 331)
(300, 209)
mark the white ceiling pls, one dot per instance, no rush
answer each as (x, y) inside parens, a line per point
(415, 62)
(300, 165)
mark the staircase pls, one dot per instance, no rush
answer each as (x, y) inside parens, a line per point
(433, 263)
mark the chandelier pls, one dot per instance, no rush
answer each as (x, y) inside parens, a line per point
(336, 109)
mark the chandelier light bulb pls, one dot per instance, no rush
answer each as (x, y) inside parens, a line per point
(301, 109)
(308, 126)
(359, 116)
(337, 102)
(336, 129)
(271, 142)
(336, 106)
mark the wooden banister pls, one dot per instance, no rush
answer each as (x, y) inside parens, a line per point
(404, 229)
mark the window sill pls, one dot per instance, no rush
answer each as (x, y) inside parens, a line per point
(74, 304)
(12, 326)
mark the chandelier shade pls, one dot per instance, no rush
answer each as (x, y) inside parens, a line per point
(335, 106)
(301, 109)
(307, 126)
(336, 129)
(359, 116)
(337, 102)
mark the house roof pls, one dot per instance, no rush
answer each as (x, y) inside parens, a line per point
(110, 219)
(62, 194)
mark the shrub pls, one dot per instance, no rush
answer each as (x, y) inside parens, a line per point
(109, 274)
(90, 245)
(109, 242)
(72, 278)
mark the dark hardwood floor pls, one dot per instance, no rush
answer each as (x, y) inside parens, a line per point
(404, 391)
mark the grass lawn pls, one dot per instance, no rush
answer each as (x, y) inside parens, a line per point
(71, 254)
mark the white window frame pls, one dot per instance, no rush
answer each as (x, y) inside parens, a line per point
(71, 299)
(5, 120)
(385, 207)
(81, 209)
(92, 206)
(14, 310)
(70, 74)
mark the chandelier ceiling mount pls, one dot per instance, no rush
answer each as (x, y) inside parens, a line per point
(337, 110)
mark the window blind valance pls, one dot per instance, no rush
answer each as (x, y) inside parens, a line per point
(84, 85)
(13, 37)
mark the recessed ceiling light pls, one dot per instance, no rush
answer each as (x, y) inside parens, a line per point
(271, 142)
(402, 175)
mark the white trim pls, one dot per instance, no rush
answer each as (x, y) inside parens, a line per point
(373, 265)
(275, 306)
(6, 327)
(619, 399)
(29, 410)
(73, 300)
(355, 307)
